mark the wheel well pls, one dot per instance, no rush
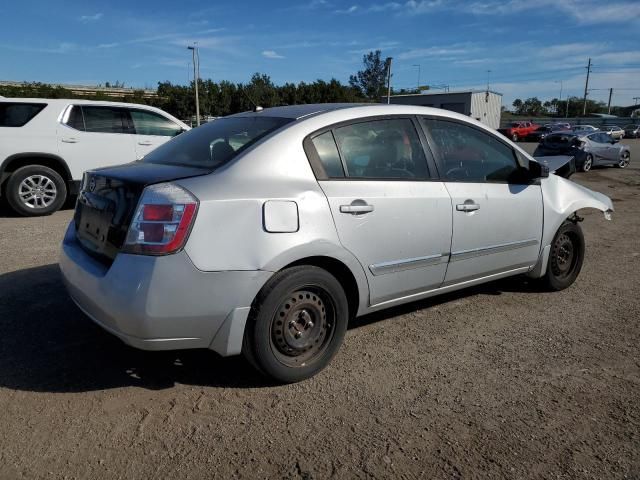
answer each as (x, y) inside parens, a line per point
(54, 163)
(342, 274)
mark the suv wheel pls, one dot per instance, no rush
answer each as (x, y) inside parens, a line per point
(588, 163)
(297, 324)
(35, 190)
(565, 258)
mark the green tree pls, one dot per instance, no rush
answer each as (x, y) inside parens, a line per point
(370, 81)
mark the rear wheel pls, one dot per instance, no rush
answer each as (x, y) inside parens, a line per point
(297, 324)
(588, 163)
(625, 159)
(565, 258)
(35, 190)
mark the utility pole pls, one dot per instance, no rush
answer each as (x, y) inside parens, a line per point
(418, 86)
(488, 73)
(558, 111)
(196, 77)
(586, 89)
(635, 99)
(609, 105)
(389, 79)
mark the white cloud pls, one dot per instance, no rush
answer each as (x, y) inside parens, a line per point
(351, 9)
(91, 18)
(434, 52)
(271, 54)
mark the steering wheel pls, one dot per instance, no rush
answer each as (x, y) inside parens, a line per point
(457, 173)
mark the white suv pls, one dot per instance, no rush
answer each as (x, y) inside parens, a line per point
(46, 145)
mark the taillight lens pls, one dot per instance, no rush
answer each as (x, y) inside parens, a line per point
(162, 221)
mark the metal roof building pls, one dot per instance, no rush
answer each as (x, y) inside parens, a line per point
(483, 105)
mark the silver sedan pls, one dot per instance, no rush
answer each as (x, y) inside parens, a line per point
(265, 232)
(602, 149)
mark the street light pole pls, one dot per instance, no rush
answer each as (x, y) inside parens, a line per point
(418, 86)
(560, 99)
(389, 80)
(196, 77)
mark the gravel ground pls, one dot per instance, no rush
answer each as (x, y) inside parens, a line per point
(499, 381)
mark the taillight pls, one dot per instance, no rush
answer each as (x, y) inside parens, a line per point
(162, 221)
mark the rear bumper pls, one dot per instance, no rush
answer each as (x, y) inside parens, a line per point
(161, 303)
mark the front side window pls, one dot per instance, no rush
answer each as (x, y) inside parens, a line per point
(18, 114)
(105, 119)
(149, 123)
(215, 143)
(388, 149)
(468, 154)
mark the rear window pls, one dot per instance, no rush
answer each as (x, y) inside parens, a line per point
(215, 143)
(18, 114)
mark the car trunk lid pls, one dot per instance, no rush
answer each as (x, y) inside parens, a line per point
(108, 199)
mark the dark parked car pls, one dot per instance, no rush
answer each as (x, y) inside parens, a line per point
(632, 131)
(564, 143)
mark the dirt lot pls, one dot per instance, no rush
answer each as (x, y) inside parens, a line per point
(500, 381)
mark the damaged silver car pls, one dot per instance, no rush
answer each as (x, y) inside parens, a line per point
(264, 233)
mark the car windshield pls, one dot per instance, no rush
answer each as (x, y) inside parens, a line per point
(215, 143)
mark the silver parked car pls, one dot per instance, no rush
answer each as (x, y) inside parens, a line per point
(264, 233)
(602, 149)
(613, 130)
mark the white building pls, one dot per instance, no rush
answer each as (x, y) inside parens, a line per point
(482, 105)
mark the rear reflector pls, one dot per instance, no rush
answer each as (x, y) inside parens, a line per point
(162, 221)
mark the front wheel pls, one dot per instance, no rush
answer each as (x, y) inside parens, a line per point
(565, 258)
(36, 190)
(625, 159)
(514, 137)
(297, 324)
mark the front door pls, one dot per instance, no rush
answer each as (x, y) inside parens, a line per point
(387, 211)
(497, 217)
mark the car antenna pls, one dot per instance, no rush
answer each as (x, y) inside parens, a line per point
(256, 107)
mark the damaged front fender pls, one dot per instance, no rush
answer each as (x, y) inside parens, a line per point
(562, 198)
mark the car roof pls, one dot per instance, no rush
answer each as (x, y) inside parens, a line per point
(296, 112)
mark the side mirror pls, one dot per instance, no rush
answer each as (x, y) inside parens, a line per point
(537, 170)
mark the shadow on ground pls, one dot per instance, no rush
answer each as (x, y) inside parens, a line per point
(48, 345)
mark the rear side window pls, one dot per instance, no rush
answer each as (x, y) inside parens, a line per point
(383, 149)
(149, 123)
(215, 143)
(471, 155)
(328, 154)
(18, 114)
(105, 120)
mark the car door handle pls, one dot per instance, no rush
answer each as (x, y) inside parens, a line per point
(69, 139)
(146, 143)
(467, 206)
(356, 208)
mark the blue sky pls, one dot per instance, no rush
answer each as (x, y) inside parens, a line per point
(529, 46)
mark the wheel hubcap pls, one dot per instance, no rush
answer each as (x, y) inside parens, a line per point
(37, 191)
(302, 327)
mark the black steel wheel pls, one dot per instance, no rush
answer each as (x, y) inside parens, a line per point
(297, 324)
(565, 257)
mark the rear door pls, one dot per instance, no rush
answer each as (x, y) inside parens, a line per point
(388, 210)
(497, 216)
(95, 136)
(152, 130)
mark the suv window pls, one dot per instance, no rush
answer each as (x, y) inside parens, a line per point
(149, 123)
(471, 155)
(387, 149)
(76, 120)
(18, 114)
(105, 119)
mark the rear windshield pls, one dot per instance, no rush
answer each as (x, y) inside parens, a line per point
(18, 114)
(215, 143)
(559, 139)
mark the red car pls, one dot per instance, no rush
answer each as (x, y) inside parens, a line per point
(518, 130)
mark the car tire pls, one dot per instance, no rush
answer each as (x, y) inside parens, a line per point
(514, 137)
(625, 159)
(565, 257)
(35, 190)
(588, 163)
(297, 324)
